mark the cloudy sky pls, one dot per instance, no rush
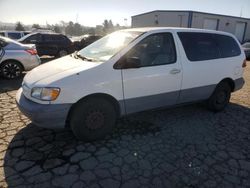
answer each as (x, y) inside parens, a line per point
(93, 12)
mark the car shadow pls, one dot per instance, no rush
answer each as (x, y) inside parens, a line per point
(173, 138)
(10, 85)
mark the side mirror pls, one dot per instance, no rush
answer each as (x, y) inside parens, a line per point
(132, 62)
(128, 63)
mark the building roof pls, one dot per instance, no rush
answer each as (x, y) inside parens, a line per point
(190, 11)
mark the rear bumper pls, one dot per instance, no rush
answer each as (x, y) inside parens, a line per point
(52, 116)
(31, 62)
(238, 83)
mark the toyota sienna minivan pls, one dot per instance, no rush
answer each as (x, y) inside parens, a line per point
(130, 71)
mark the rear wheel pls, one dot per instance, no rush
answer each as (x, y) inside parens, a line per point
(92, 119)
(220, 98)
(62, 53)
(11, 70)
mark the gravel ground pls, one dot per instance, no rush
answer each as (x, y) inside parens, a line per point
(182, 147)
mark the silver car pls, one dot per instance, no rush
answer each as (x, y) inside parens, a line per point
(16, 58)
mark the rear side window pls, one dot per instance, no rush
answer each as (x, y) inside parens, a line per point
(65, 39)
(58, 38)
(227, 45)
(207, 46)
(33, 38)
(55, 38)
(199, 46)
(48, 38)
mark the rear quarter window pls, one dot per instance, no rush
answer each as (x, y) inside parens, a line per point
(208, 46)
(227, 45)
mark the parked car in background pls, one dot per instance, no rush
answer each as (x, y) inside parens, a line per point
(130, 71)
(246, 47)
(14, 34)
(16, 58)
(85, 40)
(51, 44)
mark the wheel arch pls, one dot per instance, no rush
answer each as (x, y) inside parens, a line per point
(13, 60)
(104, 96)
(230, 81)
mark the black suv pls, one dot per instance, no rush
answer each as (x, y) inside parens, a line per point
(49, 43)
(85, 41)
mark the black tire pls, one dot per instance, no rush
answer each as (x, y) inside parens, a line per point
(11, 70)
(220, 97)
(62, 53)
(92, 119)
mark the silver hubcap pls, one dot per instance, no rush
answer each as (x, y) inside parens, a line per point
(11, 70)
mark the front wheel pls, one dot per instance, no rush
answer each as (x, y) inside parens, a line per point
(220, 98)
(11, 70)
(92, 119)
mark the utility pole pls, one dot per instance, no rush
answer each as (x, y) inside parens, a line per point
(125, 22)
(77, 18)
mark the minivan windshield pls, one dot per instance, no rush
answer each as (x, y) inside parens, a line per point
(106, 47)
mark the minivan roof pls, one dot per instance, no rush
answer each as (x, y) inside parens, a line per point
(178, 29)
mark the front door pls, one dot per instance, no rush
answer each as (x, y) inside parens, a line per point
(156, 81)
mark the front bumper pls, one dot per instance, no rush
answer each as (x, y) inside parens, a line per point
(52, 116)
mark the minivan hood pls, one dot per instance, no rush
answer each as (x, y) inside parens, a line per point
(55, 67)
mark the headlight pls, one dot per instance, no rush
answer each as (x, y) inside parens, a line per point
(45, 93)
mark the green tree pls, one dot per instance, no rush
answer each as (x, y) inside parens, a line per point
(19, 26)
(36, 26)
(78, 30)
(69, 30)
(57, 29)
(111, 26)
(105, 26)
(108, 26)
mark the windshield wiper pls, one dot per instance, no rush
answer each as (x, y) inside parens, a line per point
(77, 55)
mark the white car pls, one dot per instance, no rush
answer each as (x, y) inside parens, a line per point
(130, 71)
(14, 34)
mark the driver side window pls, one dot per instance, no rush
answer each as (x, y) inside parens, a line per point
(156, 49)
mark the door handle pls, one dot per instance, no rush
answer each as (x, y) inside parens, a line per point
(175, 71)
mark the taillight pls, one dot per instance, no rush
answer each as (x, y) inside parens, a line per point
(32, 51)
(244, 63)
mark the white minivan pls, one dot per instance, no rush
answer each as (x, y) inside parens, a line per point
(130, 71)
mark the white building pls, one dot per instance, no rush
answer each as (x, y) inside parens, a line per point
(238, 26)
